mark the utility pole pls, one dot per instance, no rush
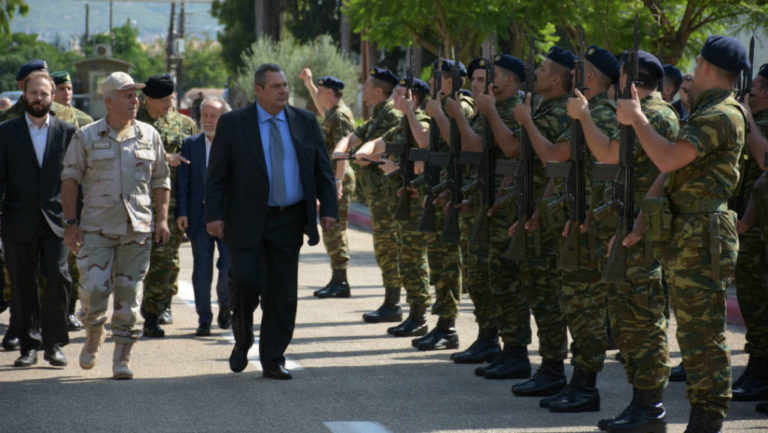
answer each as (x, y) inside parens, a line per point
(365, 61)
(111, 36)
(87, 22)
(169, 42)
(259, 18)
(346, 33)
(180, 57)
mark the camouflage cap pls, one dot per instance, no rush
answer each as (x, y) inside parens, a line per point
(60, 77)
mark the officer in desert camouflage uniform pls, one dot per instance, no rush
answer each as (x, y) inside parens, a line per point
(376, 92)
(338, 123)
(163, 275)
(699, 174)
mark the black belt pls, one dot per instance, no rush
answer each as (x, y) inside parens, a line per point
(277, 210)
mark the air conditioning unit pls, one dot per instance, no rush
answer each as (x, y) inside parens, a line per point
(102, 50)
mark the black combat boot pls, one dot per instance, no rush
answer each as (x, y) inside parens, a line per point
(338, 287)
(485, 349)
(762, 407)
(677, 374)
(548, 380)
(166, 318)
(152, 327)
(702, 420)
(415, 324)
(443, 336)
(514, 364)
(581, 395)
(389, 311)
(648, 415)
(605, 422)
(752, 385)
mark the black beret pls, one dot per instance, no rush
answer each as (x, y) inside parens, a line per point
(159, 86)
(674, 73)
(478, 63)
(30, 67)
(726, 53)
(384, 74)
(561, 56)
(331, 82)
(510, 63)
(650, 63)
(447, 65)
(603, 60)
(60, 77)
(420, 85)
(763, 71)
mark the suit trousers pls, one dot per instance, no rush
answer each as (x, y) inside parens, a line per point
(203, 246)
(268, 274)
(39, 318)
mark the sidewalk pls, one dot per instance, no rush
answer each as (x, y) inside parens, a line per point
(360, 216)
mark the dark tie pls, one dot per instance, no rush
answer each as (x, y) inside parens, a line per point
(276, 156)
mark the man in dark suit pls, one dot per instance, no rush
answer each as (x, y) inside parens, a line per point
(268, 167)
(190, 217)
(32, 149)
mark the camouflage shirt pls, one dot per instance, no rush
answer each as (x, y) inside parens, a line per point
(505, 107)
(74, 116)
(749, 166)
(384, 118)
(338, 123)
(717, 129)
(663, 118)
(551, 119)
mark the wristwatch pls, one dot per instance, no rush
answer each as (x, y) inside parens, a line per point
(72, 222)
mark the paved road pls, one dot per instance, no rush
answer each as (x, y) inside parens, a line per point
(349, 377)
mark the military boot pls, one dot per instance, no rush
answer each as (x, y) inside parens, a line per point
(605, 422)
(443, 336)
(581, 395)
(702, 420)
(121, 361)
(648, 415)
(677, 374)
(548, 380)
(485, 349)
(514, 364)
(94, 338)
(338, 287)
(389, 311)
(166, 318)
(752, 385)
(762, 407)
(152, 327)
(415, 324)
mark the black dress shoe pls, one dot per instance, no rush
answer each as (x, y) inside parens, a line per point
(762, 407)
(10, 342)
(279, 373)
(55, 356)
(335, 290)
(224, 318)
(238, 359)
(73, 324)
(27, 359)
(752, 385)
(203, 331)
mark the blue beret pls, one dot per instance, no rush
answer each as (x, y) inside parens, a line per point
(561, 56)
(763, 72)
(650, 63)
(384, 74)
(420, 85)
(447, 65)
(603, 60)
(29, 67)
(674, 73)
(510, 63)
(478, 63)
(726, 53)
(331, 82)
(159, 86)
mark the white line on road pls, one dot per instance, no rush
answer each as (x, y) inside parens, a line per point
(356, 427)
(187, 294)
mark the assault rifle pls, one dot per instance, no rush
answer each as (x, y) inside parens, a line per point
(574, 172)
(738, 202)
(451, 231)
(403, 209)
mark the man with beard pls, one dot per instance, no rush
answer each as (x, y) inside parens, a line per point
(32, 149)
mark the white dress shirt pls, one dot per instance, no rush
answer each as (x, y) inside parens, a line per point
(39, 136)
(207, 149)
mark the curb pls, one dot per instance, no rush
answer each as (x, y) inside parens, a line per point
(360, 216)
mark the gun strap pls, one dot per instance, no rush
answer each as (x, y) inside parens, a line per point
(592, 242)
(715, 248)
(537, 242)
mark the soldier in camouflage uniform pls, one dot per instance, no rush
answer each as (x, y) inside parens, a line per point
(376, 92)
(539, 277)
(162, 278)
(500, 307)
(700, 256)
(338, 123)
(637, 307)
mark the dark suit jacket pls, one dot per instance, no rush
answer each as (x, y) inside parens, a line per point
(237, 181)
(190, 183)
(25, 186)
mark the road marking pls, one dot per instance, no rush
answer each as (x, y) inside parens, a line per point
(356, 427)
(187, 294)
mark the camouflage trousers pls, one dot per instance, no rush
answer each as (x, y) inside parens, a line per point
(110, 264)
(385, 235)
(541, 285)
(474, 269)
(752, 291)
(445, 261)
(583, 304)
(335, 239)
(162, 281)
(636, 309)
(699, 302)
(513, 312)
(414, 268)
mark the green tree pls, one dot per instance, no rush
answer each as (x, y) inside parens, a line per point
(126, 47)
(308, 19)
(9, 8)
(20, 48)
(202, 64)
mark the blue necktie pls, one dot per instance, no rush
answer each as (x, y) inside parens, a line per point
(276, 156)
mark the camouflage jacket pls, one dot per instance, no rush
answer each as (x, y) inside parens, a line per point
(749, 169)
(663, 118)
(384, 118)
(338, 123)
(551, 119)
(505, 107)
(717, 129)
(74, 116)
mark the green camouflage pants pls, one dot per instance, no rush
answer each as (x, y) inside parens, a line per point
(474, 269)
(110, 264)
(385, 236)
(699, 302)
(445, 261)
(335, 239)
(752, 291)
(414, 269)
(638, 322)
(162, 281)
